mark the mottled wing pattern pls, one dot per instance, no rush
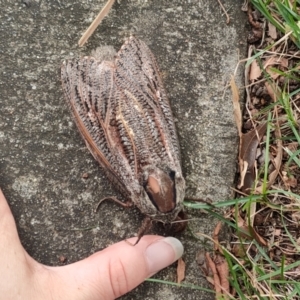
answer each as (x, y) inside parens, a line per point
(137, 74)
(123, 113)
(90, 91)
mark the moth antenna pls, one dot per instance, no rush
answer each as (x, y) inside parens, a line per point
(102, 14)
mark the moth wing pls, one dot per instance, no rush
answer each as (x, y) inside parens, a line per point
(90, 90)
(138, 75)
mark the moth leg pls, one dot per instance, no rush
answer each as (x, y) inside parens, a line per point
(126, 204)
(146, 226)
(180, 222)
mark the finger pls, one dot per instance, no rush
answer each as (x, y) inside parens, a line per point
(119, 268)
(15, 264)
(8, 230)
(4, 208)
(11, 249)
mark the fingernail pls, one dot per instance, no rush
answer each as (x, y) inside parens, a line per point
(162, 253)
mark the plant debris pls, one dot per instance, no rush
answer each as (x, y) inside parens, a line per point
(266, 243)
(215, 267)
(180, 270)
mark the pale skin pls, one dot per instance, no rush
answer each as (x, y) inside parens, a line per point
(107, 274)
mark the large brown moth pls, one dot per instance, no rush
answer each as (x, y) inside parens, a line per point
(122, 111)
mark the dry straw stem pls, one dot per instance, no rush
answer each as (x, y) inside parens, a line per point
(103, 13)
(225, 12)
(236, 105)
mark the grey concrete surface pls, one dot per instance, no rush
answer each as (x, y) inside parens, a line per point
(42, 156)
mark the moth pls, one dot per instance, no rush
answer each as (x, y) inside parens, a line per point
(123, 114)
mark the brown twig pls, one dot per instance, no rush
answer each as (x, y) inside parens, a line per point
(225, 12)
(103, 13)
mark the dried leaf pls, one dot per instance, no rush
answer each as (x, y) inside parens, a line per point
(277, 232)
(239, 250)
(296, 217)
(275, 61)
(255, 71)
(249, 144)
(244, 232)
(216, 280)
(272, 89)
(292, 146)
(270, 61)
(223, 271)
(180, 270)
(274, 75)
(248, 232)
(289, 181)
(272, 31)
(284, 62)
(258, 237)
(240, 221)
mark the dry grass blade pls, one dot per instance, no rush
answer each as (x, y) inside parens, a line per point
(273, 90)
(225, 12)
(248, 232)
(215, 280)
(236, 105)
(272, 31)
(215, 267)
(223, 272)
(103, 13)
(255, 71)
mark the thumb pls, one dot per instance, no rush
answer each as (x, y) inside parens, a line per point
(119, 268)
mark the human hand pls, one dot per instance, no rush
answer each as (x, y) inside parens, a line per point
(107, 274)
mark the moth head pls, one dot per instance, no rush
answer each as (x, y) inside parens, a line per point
(161, 190)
